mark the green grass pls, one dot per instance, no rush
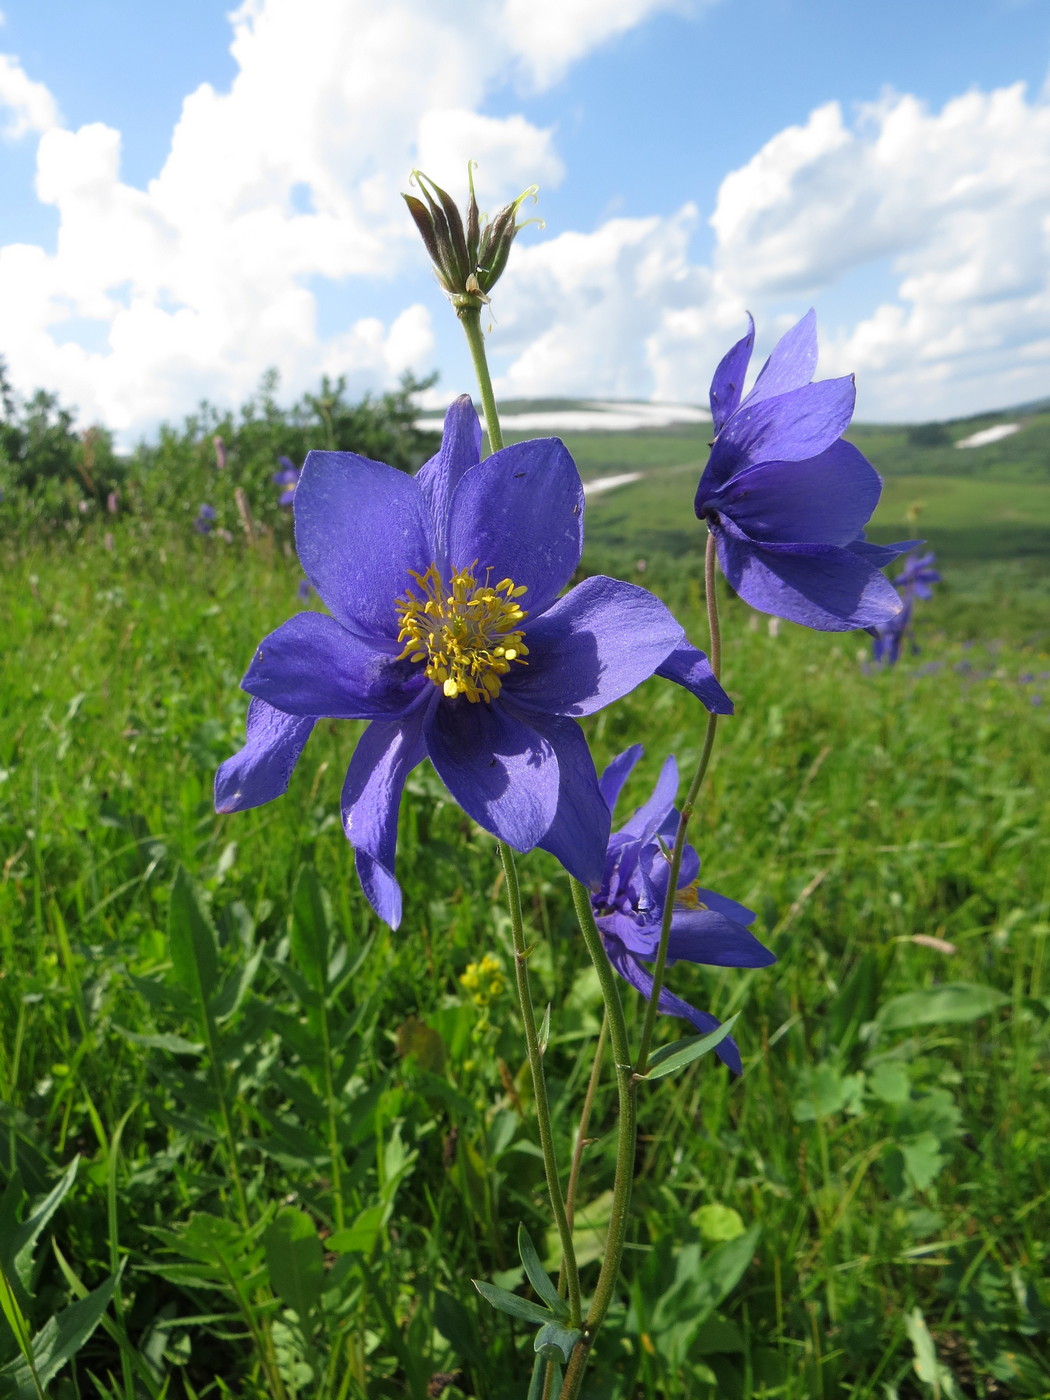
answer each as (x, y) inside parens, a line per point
(891, 1153)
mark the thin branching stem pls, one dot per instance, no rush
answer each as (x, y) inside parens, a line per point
(678, 850)
(539, 1084)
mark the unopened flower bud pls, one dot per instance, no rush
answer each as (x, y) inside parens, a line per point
(468, 256)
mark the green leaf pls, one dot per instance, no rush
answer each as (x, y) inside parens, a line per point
(670, 1058)
(236, 984)
(361, 1236)
(717, 1224)
(309, 935)
(556, 1343)
(57, 1342)
(511, 1303)
(295, 1260)
(192, 942)
(175, 1044)
(18, 1243)
(953, 1001)
(823, 1090)
(538, 1275)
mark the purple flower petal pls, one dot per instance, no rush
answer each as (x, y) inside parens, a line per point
(617, 772)
(708, 937)
(262, 769)
(520, 515)
(650, 817)
(739, 913)
(384, 757)
(312, 666)
(778, 501)
(689, 667)
(359, 527)
(502, 772)
(880, 554)
(459, 451)
(789, 428)
(579, 832)
(592, 647)
(633, 972)
(792, 363)
(817, 585)
(728, 382)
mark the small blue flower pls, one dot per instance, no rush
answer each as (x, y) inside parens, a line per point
(446, 631)
(288, 477)
(629, 903)
(204, 520)
(915, 580)
(786, 498)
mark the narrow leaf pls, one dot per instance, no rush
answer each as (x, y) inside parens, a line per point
(538, 1275)
(192, 942)
(310, 936)
(57, 1342)
(16, 1251)
(511, 1303)
(295, 1259)
(556, 1343)
(670, 1058)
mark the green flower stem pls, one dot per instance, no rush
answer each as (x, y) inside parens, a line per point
(470, 318)
(626, 1088)
(539, 1085)
(678, 849)
(585, 1118)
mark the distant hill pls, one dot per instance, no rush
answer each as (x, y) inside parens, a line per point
(614, 437)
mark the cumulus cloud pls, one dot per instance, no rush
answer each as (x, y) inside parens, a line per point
(27, 105)
(206, 277)
(954, 202)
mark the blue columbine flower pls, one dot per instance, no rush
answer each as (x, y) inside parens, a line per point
(915, 580)
(786, 498)
(629, 904)
(448, 634)
(204, 520)
(288, 477)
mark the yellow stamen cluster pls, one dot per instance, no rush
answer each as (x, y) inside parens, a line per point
(467, 632)
(484, 980)
(689, 898)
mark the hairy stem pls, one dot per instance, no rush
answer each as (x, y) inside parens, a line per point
(470, 319)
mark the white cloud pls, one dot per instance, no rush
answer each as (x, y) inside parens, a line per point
(550, 35)
(203, 279)
(30, 107)
(955, 202)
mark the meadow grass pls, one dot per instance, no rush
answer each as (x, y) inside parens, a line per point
(298, 1136)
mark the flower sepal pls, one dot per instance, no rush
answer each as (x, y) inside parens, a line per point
(468, 256)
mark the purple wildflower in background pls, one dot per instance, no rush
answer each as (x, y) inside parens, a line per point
(628, 905)
(448, 634)
(786, 498)
(288, 477)
(915, 580)
(205, 520)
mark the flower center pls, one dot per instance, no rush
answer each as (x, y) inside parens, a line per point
(467, 632)
(689, 898)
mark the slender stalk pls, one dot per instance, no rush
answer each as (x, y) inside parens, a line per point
(335, 1151)
(678, 850)
(585, 1118)
(539, 1085)
(625, 1143)
(470, 319)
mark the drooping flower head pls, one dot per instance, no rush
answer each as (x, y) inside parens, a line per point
(447, 633)
(786, 498)
(629, 903)
(915, 580)
(288, 478)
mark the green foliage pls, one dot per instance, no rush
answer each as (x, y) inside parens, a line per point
(298, 1136)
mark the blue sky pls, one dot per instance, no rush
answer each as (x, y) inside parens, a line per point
(880, 162)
